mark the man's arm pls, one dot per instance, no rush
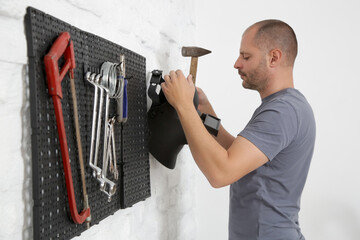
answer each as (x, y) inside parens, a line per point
(220, 166)
(224, 138)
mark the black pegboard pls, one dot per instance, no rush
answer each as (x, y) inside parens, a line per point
(52, 218)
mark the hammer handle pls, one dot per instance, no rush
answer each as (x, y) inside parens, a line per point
(193, 68)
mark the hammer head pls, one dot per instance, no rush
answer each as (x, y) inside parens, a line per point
(194, 51)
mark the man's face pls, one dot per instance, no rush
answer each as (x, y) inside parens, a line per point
(251, 64)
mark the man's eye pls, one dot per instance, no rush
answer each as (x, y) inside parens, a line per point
(246, 58)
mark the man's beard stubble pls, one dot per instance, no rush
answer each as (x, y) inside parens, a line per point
(256, 79)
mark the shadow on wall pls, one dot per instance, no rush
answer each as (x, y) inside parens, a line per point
(26, 155)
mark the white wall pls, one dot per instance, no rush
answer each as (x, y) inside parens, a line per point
(326, 72)
(155, 29)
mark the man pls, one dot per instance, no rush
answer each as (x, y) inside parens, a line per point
(267, 163)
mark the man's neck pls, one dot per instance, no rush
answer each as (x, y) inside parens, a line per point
(278, 83)
(268, 92)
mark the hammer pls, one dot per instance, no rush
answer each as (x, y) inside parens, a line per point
(194, 53)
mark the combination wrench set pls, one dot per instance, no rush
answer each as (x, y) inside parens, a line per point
(111, 81)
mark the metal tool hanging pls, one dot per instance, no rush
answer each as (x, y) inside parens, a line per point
(122, 105)
(64, 46)
(110, 80)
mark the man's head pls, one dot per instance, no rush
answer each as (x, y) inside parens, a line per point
(272, 34)
(266, 46)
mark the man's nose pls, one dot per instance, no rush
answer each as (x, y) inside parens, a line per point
(238, 63)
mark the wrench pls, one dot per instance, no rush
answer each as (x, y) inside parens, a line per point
(113, 83)
(111, 151)
(97, 171)
(97, 80)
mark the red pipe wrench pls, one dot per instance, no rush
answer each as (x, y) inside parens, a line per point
(63, 46)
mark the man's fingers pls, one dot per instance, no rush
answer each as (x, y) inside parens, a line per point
(167, 78)
(190, 81)
(189, 78)
(179, 73)
(163, 86)
(173, 75)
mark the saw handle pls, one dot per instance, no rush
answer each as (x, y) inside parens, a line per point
(62, 46)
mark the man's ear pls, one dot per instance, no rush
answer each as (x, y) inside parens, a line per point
(275, 57)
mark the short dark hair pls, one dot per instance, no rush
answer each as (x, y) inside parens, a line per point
(274, 33)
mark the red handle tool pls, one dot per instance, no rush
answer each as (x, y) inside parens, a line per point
(63, 46)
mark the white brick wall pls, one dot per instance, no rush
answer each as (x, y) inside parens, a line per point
(155, 29)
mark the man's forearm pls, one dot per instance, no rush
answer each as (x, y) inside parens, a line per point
(224, 138)
(208, 154)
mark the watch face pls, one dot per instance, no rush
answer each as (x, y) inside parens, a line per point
(211, 122)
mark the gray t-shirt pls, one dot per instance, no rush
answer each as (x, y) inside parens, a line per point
(265, 203)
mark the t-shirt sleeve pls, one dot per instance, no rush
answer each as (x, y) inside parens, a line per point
(272, 129)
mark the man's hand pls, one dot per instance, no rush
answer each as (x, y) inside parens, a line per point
(204, 104)
(179, 91)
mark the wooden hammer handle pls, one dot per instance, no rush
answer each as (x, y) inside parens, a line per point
(193, 68)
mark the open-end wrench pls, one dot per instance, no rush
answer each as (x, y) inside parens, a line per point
(102, 82)
(90, 77)
(111, 81)
(105, 71)
(114, 88)
(111, 151)
(114, 171)
(109, 188)
(106, 185)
